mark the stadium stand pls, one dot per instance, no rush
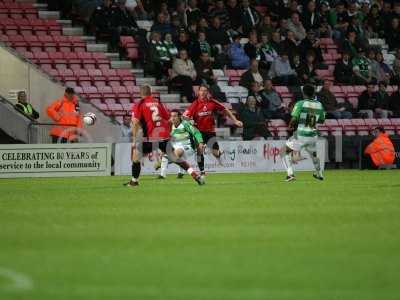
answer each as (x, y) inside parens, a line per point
(68, 51)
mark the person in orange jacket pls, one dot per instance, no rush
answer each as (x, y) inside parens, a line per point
(381, 150)
(65, 113)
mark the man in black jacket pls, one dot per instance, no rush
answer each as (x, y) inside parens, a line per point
(253, 74)
(344, 69)
(250, 17)
(254, 123)
(24, 107)
(367, 102)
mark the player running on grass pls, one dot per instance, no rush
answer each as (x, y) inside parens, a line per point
(306, 115)
(202, 112)
(183, 134)
(151, 114)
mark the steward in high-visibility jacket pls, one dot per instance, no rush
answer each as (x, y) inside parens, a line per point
(24, 107)
(65, 113)
(381, 150)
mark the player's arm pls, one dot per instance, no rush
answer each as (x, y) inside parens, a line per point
(135, 130)
(189, 112)
(295, 116)
(233, 118)
(194, 132)
(321, 118)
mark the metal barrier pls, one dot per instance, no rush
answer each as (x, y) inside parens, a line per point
(39, 133)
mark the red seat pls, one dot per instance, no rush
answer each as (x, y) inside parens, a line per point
(132, 53)
(91, 92)
(371, 123)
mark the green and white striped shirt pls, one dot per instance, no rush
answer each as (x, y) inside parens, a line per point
(308, 113)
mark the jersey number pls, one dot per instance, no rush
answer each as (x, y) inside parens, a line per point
(155, 115)
(311, 120)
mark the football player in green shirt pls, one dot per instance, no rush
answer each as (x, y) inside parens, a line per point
(306, 114)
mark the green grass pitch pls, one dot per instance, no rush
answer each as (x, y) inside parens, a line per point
(240, 237)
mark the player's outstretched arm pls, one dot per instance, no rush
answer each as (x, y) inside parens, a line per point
(233, 118)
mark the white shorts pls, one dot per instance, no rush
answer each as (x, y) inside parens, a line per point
(297, 143)
(187, 149)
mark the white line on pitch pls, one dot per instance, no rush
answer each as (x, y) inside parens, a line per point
(18, 282)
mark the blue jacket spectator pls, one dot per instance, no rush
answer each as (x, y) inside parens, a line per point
(237, 55)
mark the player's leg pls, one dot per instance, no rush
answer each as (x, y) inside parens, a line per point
(200, 154)
(312, 151)
(136, 155)
(179, 159)
(292, 144)
(163, 166)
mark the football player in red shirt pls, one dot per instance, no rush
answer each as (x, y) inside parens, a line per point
(153, 117)
(202, 112)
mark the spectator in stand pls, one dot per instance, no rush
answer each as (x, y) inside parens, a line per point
(361, 33)
(386, 16)
(350, 44)
(311, 43)
(184, 75)
(290, 45)
(254, 91)
(382, 102)
(220, 11)
(344, 69)
(176, 26)
(24, 107)
(253, 74)
(234, 13)
(396, 67)
(123, 23)
(374, 65)
(161, 24)
(140, 13)
(265, 26)
(126, 130)
(311, 19)
(394, 103)
(250, 18)
(338, 19)
(272, 104)
(200, 46)
(295, 25)
(254, 123)
(362, 68)
(65, 111)
(292, 7)
(268, 53)
(216, 34)
(281, 72)
(275, 42)
(276, 8)
(367, 102)
(307, 71)
(393, 35)
(158, 59)
(183, 41)
(384, 72)
(180, 12)
(325, 31)
(192, 31)
(100, 21)
(193, 13)
(237, 56)
(169, 44)
(165, 12)
(252, 47)
(334, 109)
(373, 19)
(204, 70)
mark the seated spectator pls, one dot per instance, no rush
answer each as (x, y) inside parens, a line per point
(311, 43)
(161, 25)
(216, 34)
(325, 31)
(254, 91)
(307, 71)
(344, 70)
(396, 67)
(311, 19)
(100, 21)
(338, 19)
(384, 72)
(250, 17)
(295, 25)
(126, 130)
(350, 44)
(193, 13)
(235, 14)
(122, 22)
(220, 11)
(254, 123)
(394, 103)
(393, 35)
(272, 104)
(333, 109)
(267, 52)
(140, 13)
(200, 46)
(265, 26)
(290, 45)
(275, 42)
(183, 75)
(183, 41)
(165, 12)
(170, 46)
(237, 56)
(362, 69)
(24, 107)
(253, 74)
(367, 102)
(252, 47)
(382, 102)
(380, 152)
(281, 72)
(374, 65)
(158, 60)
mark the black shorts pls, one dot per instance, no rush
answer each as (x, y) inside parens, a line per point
(148, 147)
(208, 136)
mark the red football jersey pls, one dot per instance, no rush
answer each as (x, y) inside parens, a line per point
(201, 111)
(154, 118)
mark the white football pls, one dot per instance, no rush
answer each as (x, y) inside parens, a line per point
(89, 118)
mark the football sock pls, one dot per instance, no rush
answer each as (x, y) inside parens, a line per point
(200, 162)
(181, 171)
(287, 162)
(316, 163)
(164, 165)
(135, 170)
